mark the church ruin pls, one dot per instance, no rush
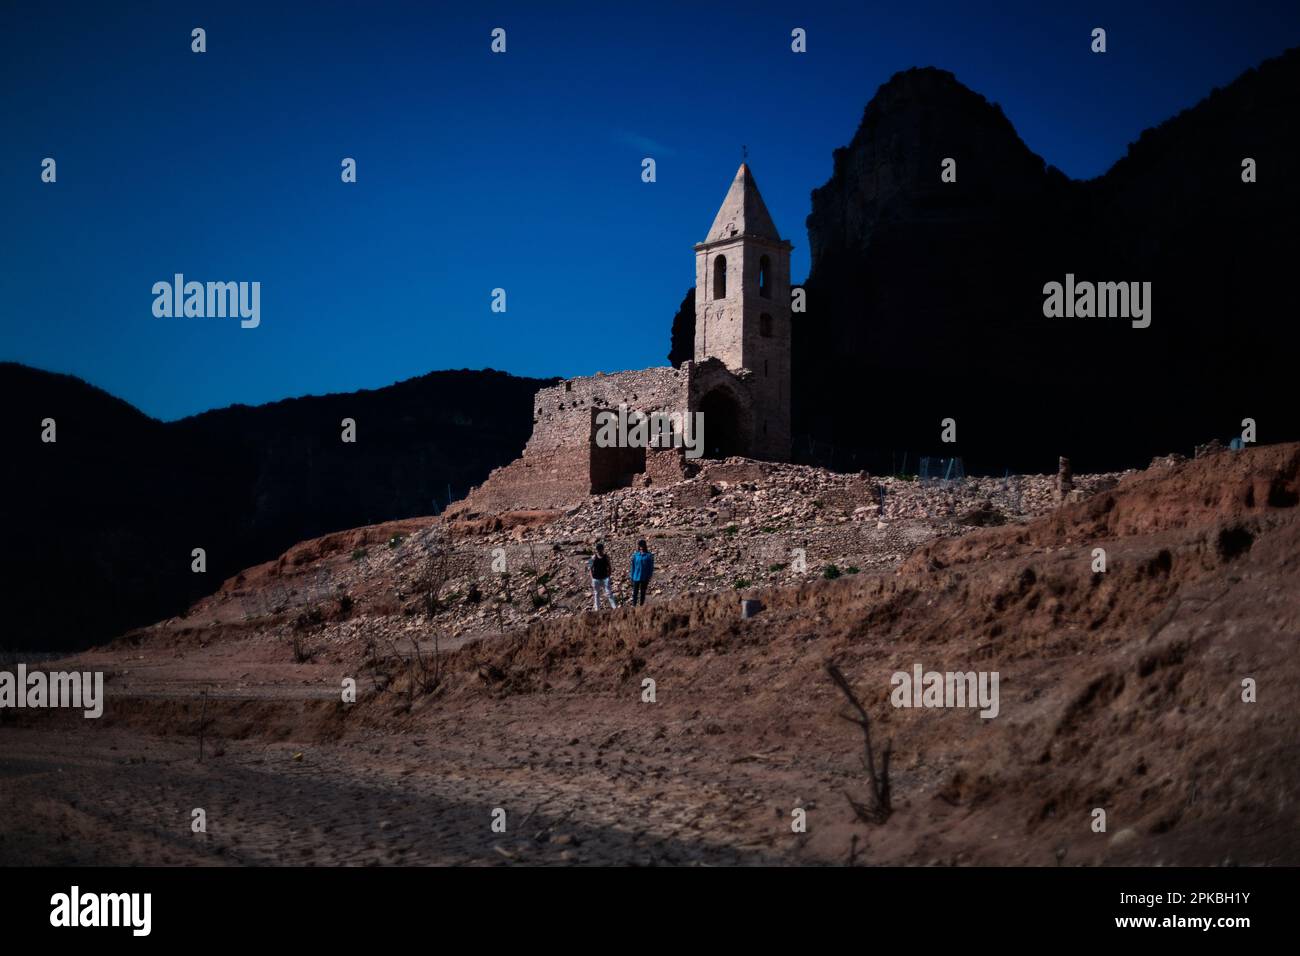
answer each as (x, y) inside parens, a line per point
(738, 379)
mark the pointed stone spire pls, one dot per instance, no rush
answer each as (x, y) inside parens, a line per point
(743, 212)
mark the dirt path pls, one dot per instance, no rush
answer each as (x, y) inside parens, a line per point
(400, 802)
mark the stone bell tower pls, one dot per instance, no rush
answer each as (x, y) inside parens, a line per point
(742, 309)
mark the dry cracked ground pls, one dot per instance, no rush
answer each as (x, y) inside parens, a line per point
(1120, 690)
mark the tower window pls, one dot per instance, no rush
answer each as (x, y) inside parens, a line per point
(765, 325)
(720, 277)
(765, 277)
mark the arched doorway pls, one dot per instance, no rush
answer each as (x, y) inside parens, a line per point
(726, 430)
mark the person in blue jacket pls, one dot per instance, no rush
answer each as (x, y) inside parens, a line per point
(643, 566)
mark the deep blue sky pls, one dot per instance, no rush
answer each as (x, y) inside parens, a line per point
(478, 170)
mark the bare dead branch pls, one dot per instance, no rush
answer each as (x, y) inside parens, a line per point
(881, 806)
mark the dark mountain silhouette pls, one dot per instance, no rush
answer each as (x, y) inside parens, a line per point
(925, 298)
(100, 525)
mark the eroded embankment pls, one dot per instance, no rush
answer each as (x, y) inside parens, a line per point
(1120, 690)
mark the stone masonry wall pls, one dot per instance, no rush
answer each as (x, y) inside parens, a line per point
(541, 480)
(719, 323)
(561, 464)
(667, 466)
(562, 413)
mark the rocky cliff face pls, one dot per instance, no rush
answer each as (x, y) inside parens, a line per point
(925, 298)
(100, 525)
(889, 174)
(922, 293)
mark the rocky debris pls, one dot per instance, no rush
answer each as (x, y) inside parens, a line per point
(1115, 680)
(739, 525)
(1168, 461)
(1211, 447)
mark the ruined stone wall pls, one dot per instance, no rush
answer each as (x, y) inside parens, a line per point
(667, 466)
(561, 463)
(704, 378)
(614, 467)
(541, 480)
(562, 414)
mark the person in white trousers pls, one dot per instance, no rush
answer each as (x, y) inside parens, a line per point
(600, 574)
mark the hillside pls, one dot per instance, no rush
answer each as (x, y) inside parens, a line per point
(104, 520)
(739, 526)
(1120, 690)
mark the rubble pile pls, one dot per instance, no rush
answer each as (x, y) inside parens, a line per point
(738, 524)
